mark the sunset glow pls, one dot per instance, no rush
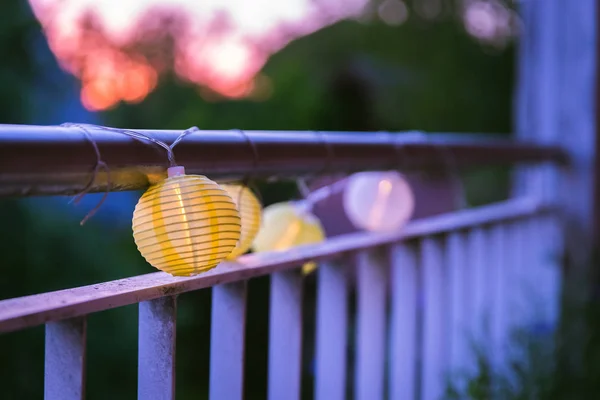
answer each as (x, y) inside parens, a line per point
(110, 45)
(119, 48)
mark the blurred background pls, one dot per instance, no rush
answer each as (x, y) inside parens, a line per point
(339, 65)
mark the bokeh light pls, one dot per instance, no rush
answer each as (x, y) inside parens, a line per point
(393, 12)
(489, 20)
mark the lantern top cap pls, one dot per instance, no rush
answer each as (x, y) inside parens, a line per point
(175, 171)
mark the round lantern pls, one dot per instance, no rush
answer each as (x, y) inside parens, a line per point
(286, 225)
(185, 224)
(378, 201)
(250, 211)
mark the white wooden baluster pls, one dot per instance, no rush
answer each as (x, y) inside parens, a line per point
(460, 305)
(551, 252)
(64, 371)
(370, 326)
(517, 250)
(435, 313)
(543, 282)
(403, 323)
(516, 244)
(478, 286)
(228, 323)
(156, 347)
(331, 335)
(498, 278)
(512, 252)
(532, 290)
(285, 335)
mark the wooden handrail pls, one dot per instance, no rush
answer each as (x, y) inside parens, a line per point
(59, 160)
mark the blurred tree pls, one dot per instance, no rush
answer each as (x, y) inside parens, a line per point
(433, 78)
(17, 70)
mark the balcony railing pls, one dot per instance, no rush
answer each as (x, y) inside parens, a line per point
(422, 293)
(37, 160)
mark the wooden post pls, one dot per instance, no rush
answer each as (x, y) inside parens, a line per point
(556, 104)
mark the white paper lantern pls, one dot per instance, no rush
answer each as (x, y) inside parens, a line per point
(378, 201)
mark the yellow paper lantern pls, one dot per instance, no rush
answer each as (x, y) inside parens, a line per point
(286, 225)
(250, 211)
(185, 224)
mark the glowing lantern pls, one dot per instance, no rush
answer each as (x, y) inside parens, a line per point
(250, 211)
(378, 201)
(185, 224)
(286, 225)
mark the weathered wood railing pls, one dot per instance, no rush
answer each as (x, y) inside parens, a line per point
(422, 293)
(441, 276)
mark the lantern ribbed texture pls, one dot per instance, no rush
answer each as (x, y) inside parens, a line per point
(186, 225)
(250, 211)
(285, 225)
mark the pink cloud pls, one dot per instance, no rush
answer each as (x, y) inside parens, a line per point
(218, 44)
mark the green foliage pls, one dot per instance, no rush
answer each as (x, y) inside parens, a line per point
(542, 363)
(17, 69)
(528, 371)
(354, 76)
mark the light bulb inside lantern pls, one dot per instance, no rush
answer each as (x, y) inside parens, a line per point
(185, 224)
(378, 201)
(250, 211)
(287, 225)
